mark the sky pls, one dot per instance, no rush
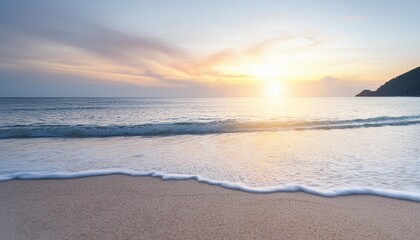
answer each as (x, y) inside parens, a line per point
(197, 48)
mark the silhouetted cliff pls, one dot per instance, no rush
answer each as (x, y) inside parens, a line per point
(407, 84)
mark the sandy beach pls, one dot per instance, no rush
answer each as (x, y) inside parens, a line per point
(123, 207)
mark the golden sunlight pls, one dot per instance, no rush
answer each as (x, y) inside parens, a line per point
(274, 89)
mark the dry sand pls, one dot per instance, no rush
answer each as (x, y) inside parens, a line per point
(122, 207)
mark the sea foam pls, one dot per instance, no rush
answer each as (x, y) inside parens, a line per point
(403, 195)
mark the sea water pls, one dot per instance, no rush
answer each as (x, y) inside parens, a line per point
(324, 146)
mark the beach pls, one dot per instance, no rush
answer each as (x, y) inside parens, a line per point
(125, 207)
(209, 120)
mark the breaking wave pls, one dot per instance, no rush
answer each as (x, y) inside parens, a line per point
(404, 195)
(185, 128)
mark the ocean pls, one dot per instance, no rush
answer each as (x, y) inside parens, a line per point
(324, 146)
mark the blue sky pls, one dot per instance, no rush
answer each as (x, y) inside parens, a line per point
(204, 48)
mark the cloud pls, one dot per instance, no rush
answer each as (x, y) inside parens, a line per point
(285, 43)
(49, 40)
(16, 84)
(44, 39)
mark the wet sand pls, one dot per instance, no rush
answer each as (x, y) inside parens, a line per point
(123, 207)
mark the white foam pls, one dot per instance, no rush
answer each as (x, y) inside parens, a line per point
(403, 195)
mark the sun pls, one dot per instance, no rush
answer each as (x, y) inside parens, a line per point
(274, 89)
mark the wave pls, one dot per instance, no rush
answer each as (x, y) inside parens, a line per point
(185, 128)
(397, 194)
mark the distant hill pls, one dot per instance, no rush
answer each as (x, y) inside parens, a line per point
(405, 85)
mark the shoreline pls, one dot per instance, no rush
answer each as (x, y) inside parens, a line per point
(144, 207)
(363, 191)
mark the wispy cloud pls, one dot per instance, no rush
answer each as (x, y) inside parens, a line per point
(76, 46)
(73, 45)
(50, 41)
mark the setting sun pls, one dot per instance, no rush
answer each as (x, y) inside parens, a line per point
(274, 89)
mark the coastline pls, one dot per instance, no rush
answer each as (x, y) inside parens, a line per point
(125, 207)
